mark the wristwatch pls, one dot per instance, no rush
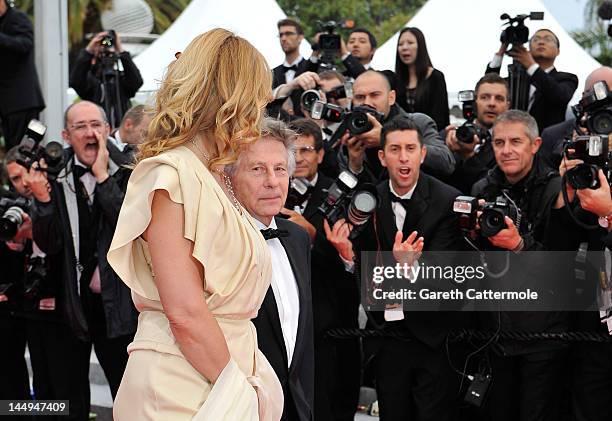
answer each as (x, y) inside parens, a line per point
(605, 221)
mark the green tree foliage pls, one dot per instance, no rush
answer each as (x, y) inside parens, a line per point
(594, 38)
(382, 17)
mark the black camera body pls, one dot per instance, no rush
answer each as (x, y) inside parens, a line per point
(594, 111)
(344, 200)
(466, 132)
(328, 112)
(300, 190)
(108, 41)
(516, 33)
(11, 219)
(491, 220)
(593, 150)
(32, 151)
(357, 121)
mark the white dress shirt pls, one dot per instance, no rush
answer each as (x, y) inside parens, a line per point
(285, 289)
(290, 74)
(400, 215)
(300, 208)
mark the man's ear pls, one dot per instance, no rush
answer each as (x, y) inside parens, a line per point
(320, 155)
(381, 158)
(66, 137)
(392, 97)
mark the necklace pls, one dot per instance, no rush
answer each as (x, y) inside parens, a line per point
(225, 177)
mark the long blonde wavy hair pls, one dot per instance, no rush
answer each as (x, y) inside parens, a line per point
(218, 87)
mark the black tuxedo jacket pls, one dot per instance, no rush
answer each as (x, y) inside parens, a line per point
(19, 88)
(335, 294)
(553, 138)
(297, 380)
(430, 214)
(554, 90)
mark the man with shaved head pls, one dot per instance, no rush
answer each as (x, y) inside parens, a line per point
(372, 89)
(553, 136)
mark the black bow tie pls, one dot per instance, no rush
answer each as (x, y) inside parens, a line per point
(271, 233)
(79, 171)
(287, 68)
(396, 199)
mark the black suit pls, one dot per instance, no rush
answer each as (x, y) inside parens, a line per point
(335, 302)
(20, 95)
(297, 379)
(414, 380)
(554, 90)
(553, 138)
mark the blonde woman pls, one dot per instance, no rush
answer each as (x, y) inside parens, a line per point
(195, 261)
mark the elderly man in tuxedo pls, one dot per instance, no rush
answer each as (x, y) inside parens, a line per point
(284, 324)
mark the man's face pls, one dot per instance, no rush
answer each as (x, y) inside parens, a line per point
(18, 176)
(543, 45)
(84, 122)
(307, 158)
(289, 39)
(402, 156)
(513, 150)
(491, 101)
(373, 89)
(136, 134)
(359, 45)
(327, 85)
(261, 180)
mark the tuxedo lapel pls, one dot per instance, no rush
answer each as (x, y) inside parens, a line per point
(271, 309)
(417, 206)
(386, 218)
(297, 266)
(316, 197)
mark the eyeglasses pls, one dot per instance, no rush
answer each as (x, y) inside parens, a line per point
(96, 125)
(546, 38)
(305, 149)
(286, 34)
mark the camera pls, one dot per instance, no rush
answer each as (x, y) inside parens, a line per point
(109, 40)
(32, 151)
(11, 219)
(466, 132)
(345, 201)
(328, 112)
(517, 33)
(594, 111)
(36, 273)
(299, 191)
(339, 92)
(491, 220)
(593, 150)
(309, 97)
(357, 121)
(330, 43)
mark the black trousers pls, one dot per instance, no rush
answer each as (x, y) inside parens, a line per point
(592, 381)
(60, 366)
(15, 382)
(337, 378)
(414, 382)
(14, 125)
(527, 387)
(111, 352)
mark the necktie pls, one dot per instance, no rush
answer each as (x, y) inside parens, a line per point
(80, 171)
(287, 68)
(271, 233)
(403, 202)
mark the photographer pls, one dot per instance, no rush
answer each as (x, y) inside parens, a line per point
(335, 298)
(550, 90)
(97, 77)
(360, 152)
(362, 45)
(20, 95)
(76, 224)
(527, 375)
(355, 64)
(553, 137)
(474, 157)
(413, 214)
(124, 141)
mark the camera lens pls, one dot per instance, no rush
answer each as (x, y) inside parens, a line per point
(359, 123)
(601, 122)
(583, 176)
(465, 133)
(10, 223)
(309, 98)
(491, 221)
(362, 206)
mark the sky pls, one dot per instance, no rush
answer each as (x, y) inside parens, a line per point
(569, 13)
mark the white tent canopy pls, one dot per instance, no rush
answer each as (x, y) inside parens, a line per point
(463, 36)
(253, 20)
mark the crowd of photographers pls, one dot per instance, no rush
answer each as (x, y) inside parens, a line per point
(379, 168)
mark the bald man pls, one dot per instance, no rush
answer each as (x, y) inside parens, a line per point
(553, 136)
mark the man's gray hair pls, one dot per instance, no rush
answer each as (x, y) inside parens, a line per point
(279, 130)
(522, 117)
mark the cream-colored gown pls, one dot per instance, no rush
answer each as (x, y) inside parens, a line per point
(159, 383)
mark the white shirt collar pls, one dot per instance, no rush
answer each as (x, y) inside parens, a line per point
(79, 163)
(260, 225)
(314, 180)
(405, 196)
(116, 140)
(296, 62)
